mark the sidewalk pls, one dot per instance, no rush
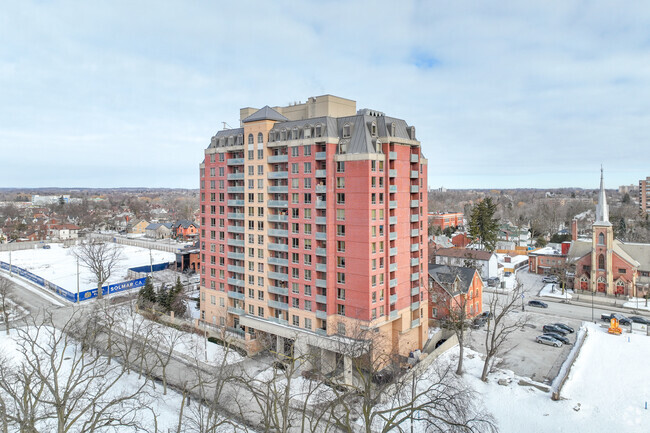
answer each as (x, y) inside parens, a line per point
(616, 304)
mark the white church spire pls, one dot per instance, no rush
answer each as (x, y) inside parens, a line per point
(602, 210)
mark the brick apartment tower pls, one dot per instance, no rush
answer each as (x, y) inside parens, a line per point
(313, 228)
(644, 195)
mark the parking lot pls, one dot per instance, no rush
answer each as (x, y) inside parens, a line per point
(522, 354)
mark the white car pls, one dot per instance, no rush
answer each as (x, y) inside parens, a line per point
(545, 339)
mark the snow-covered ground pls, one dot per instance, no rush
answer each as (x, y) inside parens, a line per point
(607, 389)
(637, 304)
(59, 265)
(552, 290)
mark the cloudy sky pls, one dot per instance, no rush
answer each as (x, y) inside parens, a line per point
(502, 94)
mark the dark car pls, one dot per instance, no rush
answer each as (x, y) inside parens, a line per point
(639, 319)
(478, 322)
(493, 281)
(536, 303)
(553, 329)
(557, 336)
(567, 328)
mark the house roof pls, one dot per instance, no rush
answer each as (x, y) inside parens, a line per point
(465, 253)
(446, 275)
(265, 113)
(637, 255)
(184, 223)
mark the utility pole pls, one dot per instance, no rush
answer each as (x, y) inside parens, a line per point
(10, 268)
(78, 280)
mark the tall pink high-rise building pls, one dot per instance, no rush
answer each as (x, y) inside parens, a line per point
(314, 229)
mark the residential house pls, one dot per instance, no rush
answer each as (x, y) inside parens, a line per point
(185, 229)
(485, 261)
(454, 287)
(139, 227)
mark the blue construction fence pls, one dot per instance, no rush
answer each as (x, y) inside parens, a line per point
(85, 294)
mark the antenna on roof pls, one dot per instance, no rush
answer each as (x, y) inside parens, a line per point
(226, 125)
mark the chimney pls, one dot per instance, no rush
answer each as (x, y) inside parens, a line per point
(574, 230)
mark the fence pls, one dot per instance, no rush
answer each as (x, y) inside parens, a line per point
(17, 246)
(142, 243)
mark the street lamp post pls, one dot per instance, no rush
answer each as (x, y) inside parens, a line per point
(592, 306)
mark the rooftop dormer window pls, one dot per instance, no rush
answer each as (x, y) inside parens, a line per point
(347, 130)
(283, 135)
(307, 132)
(373, 129)
(319, 130)
(392, 129)
(294, 133)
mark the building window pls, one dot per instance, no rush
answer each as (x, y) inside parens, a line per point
(601, 239)
(601, 261)
(340, 310)
(260, 138)
(319, 130)
(250, 138)
(307, 323)
(340, 167)
(347, 130)
(306, 133)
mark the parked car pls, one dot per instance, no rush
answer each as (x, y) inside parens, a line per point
(550, 279)
(545, 339)
(493, 281)
(622, 320)
(559, 337)
(46, 247)
(478, 322)
(536, 303)
(567, 328)
(555, 329)
(639, 319)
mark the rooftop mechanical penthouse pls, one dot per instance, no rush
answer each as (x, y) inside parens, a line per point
(314, 229)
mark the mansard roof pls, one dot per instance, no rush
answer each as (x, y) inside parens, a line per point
(265, 113)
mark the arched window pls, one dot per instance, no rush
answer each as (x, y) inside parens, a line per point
(601, 261)
(319, 130)
(260, 138)
(307, 132)
(294, 133)
(283, 135)
(601, 239)
(250, 138)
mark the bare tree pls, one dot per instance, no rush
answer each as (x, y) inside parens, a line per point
(101, 258)
(500, 324)
(5, 303)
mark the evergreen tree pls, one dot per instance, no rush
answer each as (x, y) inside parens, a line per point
(164, 298)
(483, 227)
(147, 293)
(177, 298)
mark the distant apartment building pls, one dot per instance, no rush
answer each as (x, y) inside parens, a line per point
(313, 228)
(644, 194)
(446, 219)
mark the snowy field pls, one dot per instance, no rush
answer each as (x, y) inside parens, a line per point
(551, 290)
(59, 265)
(637, 304)
(606, 390)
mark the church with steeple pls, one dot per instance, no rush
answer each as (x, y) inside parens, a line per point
(606, 265)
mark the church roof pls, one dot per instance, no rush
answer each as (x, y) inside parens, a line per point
(628, 252)
(641, 252)
(265, 113)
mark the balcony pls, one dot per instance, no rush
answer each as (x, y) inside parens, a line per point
(321, 189)
(235, 202)
(392, 188)
(415, 306)
(392, 283)
(393, 299)
(278, 276)
(321, 283)
(415, 262)
(236, 295)
(321, 252)
(415, 276)
(274, 159)
(278, 305)
(414, 157)
(321, 299)
(236, 256)
(414, 174)
(321, 156)
(392, 252)
(277, 319)
(392, 204)
(283, 189)
(235, 215)
(415, 218)
(321, 220)
(321, 173)
(392, 173)
(237, 331)
(415, 291)
(392, 220)
(321, 331)
(235, 176)
(278, 290)
(414, 189)
(415, 323)
(415, 247)
(277, 261)
(392, 155)
(236, 229)
(236, 242)
(277, 218)
(393, 314)
(236, 161)
(277, 247)
(392, 267)
(236, 269)
(235, 190)
(321, 236)
(277, 203)
(278, 175)
(415, 232)
(414, 203)
(321, 267)
(236, 282)
(392, 236)
(321, 204)
(279, 233)
(237, 311)
(320, 314)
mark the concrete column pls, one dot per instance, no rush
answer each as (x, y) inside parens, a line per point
(279, 345)
(302, 354)
(347, 370)
(327, 361)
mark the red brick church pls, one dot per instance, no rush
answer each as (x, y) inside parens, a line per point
(606, 265)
